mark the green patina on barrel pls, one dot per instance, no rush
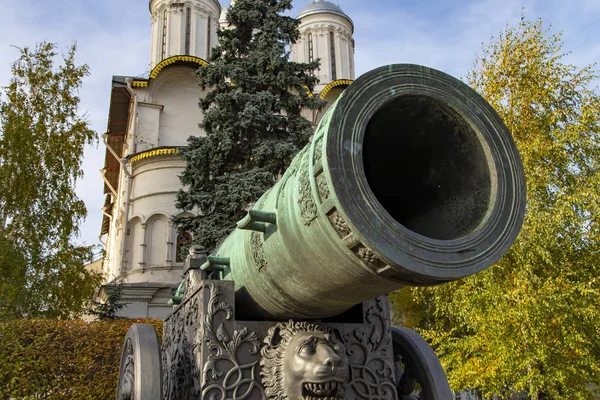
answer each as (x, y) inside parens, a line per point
(411, 179)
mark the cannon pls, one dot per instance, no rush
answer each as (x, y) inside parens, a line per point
(411, 179)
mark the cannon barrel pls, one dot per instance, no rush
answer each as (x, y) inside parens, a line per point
(411, 179)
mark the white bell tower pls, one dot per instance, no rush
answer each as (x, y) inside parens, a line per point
(223, 19)
(326, 34)
(184, 27)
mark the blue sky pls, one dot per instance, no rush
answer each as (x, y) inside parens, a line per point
(113, 37)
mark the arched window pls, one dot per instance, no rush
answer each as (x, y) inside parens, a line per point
(332, 51)
(136, 240)
(188, 30)
(157, 241)
(183, 240)
(164, 35)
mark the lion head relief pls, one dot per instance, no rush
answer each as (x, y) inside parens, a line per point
(302, 361)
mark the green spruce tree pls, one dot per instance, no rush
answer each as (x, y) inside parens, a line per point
(252, 118)
(107, 310)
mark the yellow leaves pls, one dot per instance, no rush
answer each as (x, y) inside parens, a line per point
(70, 359)
(43, 136)
(531, 322)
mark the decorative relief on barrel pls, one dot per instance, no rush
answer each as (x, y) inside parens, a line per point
(322, 187)
(374, 377)
(225, 375)
(319, 135)
(365, 254)
(359, 249)
(306, 202)
(370, 258)
(318, 153)
(339, 224)
(258, 253)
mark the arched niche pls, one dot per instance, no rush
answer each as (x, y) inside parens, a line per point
(135, 241)
(158, 228)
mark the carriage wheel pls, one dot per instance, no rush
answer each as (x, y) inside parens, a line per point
(419, 372)
(140, 373)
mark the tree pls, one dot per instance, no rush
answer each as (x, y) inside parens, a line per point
(107, 310)
(530, 323)
(252, 118)
(42, 137)
(63, 360)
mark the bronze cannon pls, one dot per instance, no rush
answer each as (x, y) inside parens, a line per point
(411, 179)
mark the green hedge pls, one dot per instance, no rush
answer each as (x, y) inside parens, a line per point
(62, 359)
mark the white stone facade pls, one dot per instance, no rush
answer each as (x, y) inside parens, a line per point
(141, 243)
(151, 118)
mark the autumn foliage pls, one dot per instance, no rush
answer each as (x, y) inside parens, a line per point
(530, 323)
(42, 138)
(62, 359)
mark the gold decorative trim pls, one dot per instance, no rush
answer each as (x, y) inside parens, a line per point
(154, 153)
(172, 60)
(336, 83)
(308, 92)
(139, 84)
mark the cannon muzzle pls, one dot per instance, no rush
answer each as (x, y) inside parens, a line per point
(411, 179)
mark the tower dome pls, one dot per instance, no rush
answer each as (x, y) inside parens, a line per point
(223, 18)
(183, 28)
(326, 34)
(323, 7)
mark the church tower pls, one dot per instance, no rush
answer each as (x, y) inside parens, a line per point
(223, 18)
(186, 27)
(151, 118)
(326, 34)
